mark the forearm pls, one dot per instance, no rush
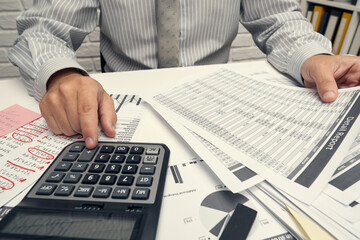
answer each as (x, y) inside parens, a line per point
(280, 30)
(49, 34)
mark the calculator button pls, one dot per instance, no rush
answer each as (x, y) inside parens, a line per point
(79, 167)
(121, 192)
(102, 157)
(125, 180)
(129, 169)
(122, 149)
(116, 158)
(150, 159)
(83, 191)
(64, 190)
(70, 156)
(90, 179)
(46, 189)
(152, 151)
(147, 169)
(133, 159)
(141, 193)
(108, 179)
(144, 181)
(136, 150)
(63, 166)
(72, 178)
(97, 167)
(77, 148)
(55, 177)
(87, 155)
(113, 168)
(102, 192)
(107, 149)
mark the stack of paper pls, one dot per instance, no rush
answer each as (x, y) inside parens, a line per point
(248, 129)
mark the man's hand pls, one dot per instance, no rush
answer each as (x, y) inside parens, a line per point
(74, 103)
(327, 73)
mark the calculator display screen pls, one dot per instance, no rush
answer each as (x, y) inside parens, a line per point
(72, 225)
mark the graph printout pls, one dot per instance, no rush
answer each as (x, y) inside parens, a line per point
(285, 134)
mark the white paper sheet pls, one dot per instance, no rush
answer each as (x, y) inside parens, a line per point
(196, 207)
(284, 134)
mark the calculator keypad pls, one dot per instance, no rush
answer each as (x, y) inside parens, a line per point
(111, 172)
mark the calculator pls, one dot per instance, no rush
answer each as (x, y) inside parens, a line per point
(113, 191)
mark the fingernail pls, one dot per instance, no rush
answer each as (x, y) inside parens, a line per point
(329, 95)
(89, 141)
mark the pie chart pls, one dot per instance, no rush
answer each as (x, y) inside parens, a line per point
(217, 207)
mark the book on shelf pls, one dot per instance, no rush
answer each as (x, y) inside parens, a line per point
(324, 22)
(341, 32)
(317, 16)
(332, 24)
(355, 45)
(309, 12)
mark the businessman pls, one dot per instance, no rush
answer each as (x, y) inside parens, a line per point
(72, 102)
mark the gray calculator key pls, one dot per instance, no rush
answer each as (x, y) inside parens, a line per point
(121, 192)
(70, 156)
(147, 169)
(152, 151)
(79, 167)
(55, 177)
(102, 192)
(150, 159)
(46, 189)
(63, 166)
(77, 148)
(64, 190)
(87, 155)
(141, 193)
(72, 177)
(83, 191)
(144, 181)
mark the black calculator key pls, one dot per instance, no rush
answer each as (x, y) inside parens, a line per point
(107, 149)
(121, 192)
(147, 169)
(113, 168)
(64, 190)
(63, 166)
(70, 156)
(102, 192)
(117, 158)
(83, 191)
(72, 178)
(102, 157)
(122, 149)
(46, 189)
(55, 177)
(108, 179)
(79, 167)
(129, 169)
(97, 167)
(136, 150)
(87, 155)
(125, 180)
(77, 148)
(134, 159)
(145, 181)
(90, 179)
(141, 193)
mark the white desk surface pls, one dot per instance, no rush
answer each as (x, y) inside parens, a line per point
(14, 92)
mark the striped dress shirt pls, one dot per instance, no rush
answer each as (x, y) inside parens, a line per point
(52, 30)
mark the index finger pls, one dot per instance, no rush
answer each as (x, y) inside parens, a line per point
(88, 116)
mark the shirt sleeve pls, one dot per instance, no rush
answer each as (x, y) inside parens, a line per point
(283, 33)
(49, 34)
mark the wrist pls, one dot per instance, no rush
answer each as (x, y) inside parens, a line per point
(61, 74)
